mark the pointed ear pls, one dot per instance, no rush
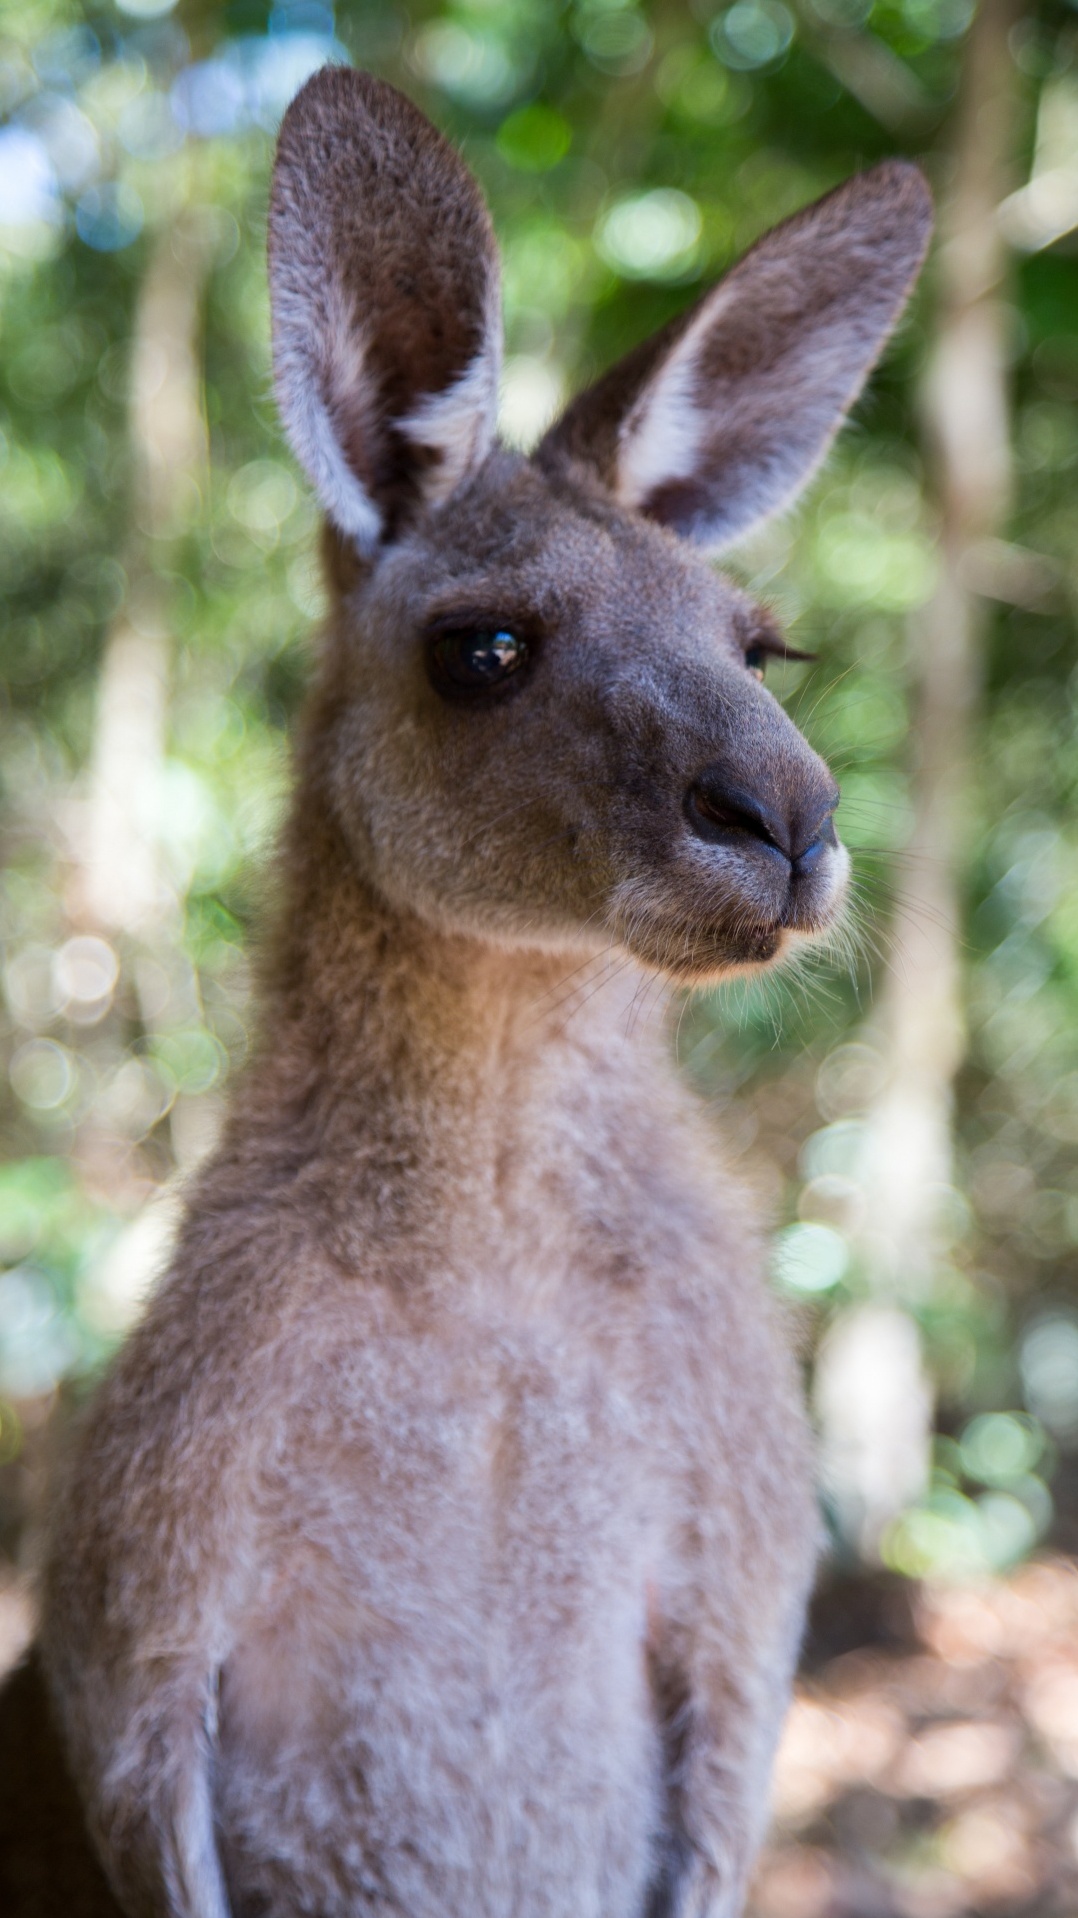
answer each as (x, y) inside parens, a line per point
(385, 303)
(721, 418)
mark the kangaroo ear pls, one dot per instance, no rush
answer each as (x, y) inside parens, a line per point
(723, 416)
(385, 302)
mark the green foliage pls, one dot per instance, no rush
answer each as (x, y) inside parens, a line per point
(629, 153)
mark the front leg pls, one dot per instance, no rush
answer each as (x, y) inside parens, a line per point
(150, 1555)
(141, 1750)
(721, 1687)
(134, 1610)
(719, 1738)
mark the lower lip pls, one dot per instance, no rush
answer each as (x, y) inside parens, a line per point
(757, 947)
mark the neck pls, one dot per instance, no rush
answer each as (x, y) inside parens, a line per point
(393, 1052)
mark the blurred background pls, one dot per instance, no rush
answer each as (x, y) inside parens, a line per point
(907, 1109)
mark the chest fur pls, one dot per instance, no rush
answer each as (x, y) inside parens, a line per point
(451, 1617)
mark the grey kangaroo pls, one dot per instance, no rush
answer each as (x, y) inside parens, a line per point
(439, 1543)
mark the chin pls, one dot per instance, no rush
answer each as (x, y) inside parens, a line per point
(698, 953)
(693, 954)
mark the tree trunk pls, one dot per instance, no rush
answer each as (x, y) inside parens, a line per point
(124, 889)
(876, 1461)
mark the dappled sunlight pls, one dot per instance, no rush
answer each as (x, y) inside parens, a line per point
(940, 1778)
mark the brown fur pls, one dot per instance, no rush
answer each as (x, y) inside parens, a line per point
(439, 1542)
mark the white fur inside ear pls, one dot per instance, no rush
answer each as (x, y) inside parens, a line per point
(458, 423)
(666, 429)
(309, 366)
(754, 441)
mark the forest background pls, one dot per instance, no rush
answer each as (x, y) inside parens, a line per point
(907, 1109)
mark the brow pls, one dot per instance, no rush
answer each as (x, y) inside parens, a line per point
(501, 612)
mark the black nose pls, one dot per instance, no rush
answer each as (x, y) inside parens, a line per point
(722, 813)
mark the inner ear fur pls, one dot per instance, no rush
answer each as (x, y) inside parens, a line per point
(719, 419)
(385, 303)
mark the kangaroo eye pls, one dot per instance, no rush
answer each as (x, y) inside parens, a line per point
(755, 656)
(469, 662)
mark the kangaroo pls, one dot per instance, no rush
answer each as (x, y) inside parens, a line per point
(440, 1541)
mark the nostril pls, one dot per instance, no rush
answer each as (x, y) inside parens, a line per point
(814, 830)
(715, 809)
(807, 861)
(718, 810)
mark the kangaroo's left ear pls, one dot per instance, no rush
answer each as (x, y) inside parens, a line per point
(721, 418)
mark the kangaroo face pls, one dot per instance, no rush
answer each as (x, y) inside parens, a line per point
(543, 721)
(563, 738)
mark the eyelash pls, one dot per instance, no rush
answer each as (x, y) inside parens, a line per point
(765, 646)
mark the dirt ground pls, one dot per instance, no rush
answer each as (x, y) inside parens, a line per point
(929, 1767)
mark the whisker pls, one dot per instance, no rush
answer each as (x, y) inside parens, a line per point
(619, 966)
(584, 988)
(591, 960)
(496, 818)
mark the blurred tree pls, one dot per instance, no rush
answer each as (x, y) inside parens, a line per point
(874, 1398)
(169, 445)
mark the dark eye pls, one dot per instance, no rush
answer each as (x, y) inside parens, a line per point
(755, 658)
(475, 660)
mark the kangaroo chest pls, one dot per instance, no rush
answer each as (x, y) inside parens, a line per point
(445, 1637)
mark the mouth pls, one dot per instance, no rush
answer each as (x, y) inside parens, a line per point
(699, 941)
(691, 954)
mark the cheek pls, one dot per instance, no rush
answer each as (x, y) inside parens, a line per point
(380, 779)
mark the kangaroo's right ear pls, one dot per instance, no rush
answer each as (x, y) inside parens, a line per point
(385, 301)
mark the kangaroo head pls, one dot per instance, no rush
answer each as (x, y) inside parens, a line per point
(541, 719)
